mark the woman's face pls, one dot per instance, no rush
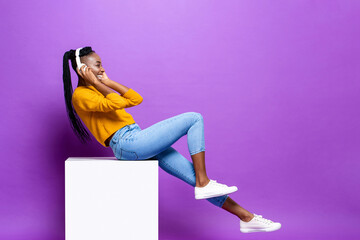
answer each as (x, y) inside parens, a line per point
(94, 62)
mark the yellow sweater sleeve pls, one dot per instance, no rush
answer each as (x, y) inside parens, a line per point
(91, 101)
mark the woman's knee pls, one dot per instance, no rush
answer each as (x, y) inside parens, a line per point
(196, 115)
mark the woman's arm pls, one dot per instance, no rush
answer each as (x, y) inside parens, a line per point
(89, 100)
(117, 86)
(114, 85)
(133, 98)
(105, 90)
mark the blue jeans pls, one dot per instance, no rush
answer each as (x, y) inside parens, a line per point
(154, 142)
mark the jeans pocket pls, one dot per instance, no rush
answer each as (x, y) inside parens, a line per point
(128, 155)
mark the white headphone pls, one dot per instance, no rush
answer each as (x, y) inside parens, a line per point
(78, 62)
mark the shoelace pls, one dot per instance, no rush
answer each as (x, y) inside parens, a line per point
(221, 185)
(261, 219)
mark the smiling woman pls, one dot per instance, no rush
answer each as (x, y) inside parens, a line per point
(94, 99)
(103, 112)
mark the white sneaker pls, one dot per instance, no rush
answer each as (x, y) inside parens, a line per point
(259, 224)
(213, 189)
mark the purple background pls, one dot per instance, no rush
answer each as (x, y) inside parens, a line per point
(277, 83)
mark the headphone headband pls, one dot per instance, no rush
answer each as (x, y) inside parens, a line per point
(77, 57)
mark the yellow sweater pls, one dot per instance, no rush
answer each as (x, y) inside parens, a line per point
(104, 115)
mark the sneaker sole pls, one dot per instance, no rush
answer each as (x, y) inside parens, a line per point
(197, 197)
(260, 230)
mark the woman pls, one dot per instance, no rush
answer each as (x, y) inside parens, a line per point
(97, 102)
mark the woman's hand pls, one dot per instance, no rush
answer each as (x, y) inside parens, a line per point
(104, 79)
(88, 75)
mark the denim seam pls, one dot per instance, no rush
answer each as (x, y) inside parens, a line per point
(201, 149)
(173, 119)
(197, 151)
(169, 120)
(121, 150)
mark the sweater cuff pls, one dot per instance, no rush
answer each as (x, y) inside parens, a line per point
(129, 93)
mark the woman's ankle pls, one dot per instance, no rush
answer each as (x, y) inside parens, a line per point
(247, 218)
(202, 182)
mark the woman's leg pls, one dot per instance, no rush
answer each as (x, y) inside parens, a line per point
(199, 164)
(156, 141)
(172, 162)
(148, 142)
(232, 207)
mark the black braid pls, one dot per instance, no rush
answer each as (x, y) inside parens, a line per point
(75, 121)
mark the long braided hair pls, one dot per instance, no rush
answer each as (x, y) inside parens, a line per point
(75, 121)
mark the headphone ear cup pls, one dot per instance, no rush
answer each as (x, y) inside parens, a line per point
(81, 66)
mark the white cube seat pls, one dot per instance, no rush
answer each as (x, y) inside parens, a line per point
(111, 199)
